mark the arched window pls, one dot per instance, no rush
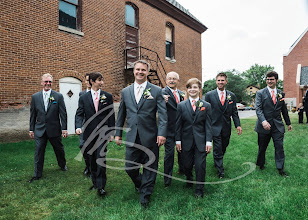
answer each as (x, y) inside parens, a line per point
(169, 40)
(131, 15)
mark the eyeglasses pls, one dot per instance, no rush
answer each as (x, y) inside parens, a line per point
(47, 81)
(172, 79)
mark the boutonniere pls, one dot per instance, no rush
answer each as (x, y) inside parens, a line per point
(229, 98)
(51, 99)
(103, 98)
(280, 97)
(147, 93)
(183, 95)
(199, 104)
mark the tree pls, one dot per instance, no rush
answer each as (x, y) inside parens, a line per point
(236, 84)
(256, 75)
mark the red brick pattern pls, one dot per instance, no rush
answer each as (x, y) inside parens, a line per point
(31, 45)
(299, 55)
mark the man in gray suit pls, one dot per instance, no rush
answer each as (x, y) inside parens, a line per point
(81, 141)
(47, 108)
(269, 107)
(139, 104)
(173, 97)
(223, 104)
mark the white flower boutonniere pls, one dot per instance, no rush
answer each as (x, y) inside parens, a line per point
(147, 93)
(51, 99)
(103, 98)
(229, 97)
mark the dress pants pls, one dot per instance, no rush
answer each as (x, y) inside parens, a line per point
(264, 139)
(40, 147)
(84, 154)
(97, 163)
(146, 180)
(197, 158)
(169, 158)
(220, 144)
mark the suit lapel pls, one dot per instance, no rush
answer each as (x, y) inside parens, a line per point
(90, 100)
(132, 94)
(173, 101)
(269, 96)
(190, 110)
(142, 99)
(49, 102)
(41, 98)
(218, 100)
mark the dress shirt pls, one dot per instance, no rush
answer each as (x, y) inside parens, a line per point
(219, 93)
(93, 95)
(136, 85)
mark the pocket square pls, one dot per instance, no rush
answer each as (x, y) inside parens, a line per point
(230, 102)
(282, 99)
(54, 102)
(202, 109)
(150, 97)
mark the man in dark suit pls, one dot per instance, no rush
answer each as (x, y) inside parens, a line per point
(173, 97)
(139, 104)
(47, 108)
(223, 104)
(269, 107)
(194, 134)
(81, 141)
(306, 104)
(96, 108)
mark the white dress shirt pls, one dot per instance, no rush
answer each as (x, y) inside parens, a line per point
(219, 93)
(136, 88)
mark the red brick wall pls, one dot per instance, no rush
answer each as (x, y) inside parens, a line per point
(31, 45)
(299, 55)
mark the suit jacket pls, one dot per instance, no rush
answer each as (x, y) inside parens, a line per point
(192, 125)
(49, 122)
(171, 110)
(267, 110)
(141, 117)
(221, 115)
(81, 135)
(86, 110)
(306, 101)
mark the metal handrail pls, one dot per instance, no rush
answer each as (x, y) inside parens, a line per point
(160, 72)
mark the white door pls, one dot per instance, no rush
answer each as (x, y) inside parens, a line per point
(70, 88)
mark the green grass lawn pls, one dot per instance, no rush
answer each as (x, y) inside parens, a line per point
(64, 195)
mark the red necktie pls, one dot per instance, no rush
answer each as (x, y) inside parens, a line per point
(96, 101)
(193, 105)
(273, 97)
(176, 97)
(222, 98)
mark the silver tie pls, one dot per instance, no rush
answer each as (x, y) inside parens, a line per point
(138, 95)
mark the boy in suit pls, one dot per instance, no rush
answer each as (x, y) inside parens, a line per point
(194, 134)
(96, 109)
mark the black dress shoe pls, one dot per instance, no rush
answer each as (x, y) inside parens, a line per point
(92, 187)
(64, 168)
(189, 185)
(101, 192)
(282, 173)
(221, 175)
(144, 205)
(33, 178)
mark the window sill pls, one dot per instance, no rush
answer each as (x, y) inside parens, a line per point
(70, 30)
(171, 60)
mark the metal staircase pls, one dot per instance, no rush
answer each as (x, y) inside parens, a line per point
(157, 74)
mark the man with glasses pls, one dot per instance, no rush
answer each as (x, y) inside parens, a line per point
(173, 97)
(48, 121)
(269, 107)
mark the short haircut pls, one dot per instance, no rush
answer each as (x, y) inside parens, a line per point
(143, 62)
(47, 75)
(222, 74)
(177, 75)
(94, 76)
(271, 74)
(192, 81)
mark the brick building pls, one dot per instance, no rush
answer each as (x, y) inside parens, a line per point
(69, 38)
(295, 70)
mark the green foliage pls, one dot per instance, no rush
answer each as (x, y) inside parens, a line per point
(209, 85)
(256, 75)
(65, 195)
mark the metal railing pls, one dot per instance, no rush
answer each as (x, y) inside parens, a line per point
(157, 71)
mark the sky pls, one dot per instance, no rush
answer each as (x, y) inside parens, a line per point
(242, 33)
